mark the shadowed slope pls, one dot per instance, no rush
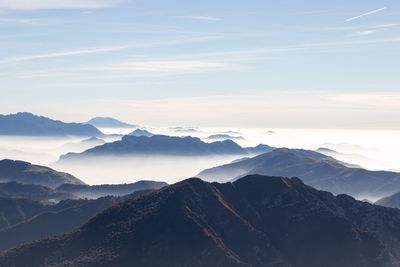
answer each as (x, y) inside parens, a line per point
(256, 221)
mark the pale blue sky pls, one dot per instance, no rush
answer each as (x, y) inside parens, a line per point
(58, 53)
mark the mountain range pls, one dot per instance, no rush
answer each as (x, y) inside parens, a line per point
(255, 221)
(107, 122)
(315, 169)
(163, 145)
(28, 124)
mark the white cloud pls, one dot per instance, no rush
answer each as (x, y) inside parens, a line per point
(54, 4)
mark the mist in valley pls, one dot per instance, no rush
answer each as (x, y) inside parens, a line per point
(374, 150)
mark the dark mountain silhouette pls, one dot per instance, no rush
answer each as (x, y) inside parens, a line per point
(392, 201)
(315, 169)
(28, 124)
(96, 191)
(107, 122)
(256, 221)
(27, 173)
(163, 145)
(32, 192)
(141, 132)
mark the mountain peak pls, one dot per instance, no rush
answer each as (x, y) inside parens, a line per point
(108, 122)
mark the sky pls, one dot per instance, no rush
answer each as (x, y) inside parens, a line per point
(256, 63)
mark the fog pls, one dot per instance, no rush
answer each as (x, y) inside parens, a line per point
(374, 150)
(170, 169)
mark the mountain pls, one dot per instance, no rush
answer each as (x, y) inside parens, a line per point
(315, 169)
(28, 124)
(107, 122)
(180, 129)
(96, 191)
(160, 145)
(256, 221)
(58, 219)
(32, 192)
(140, 132)
(224, 137)
(260, 149)
(392, 201)
(62, 218)
(15, 210)
(27, 173)
(83, 145)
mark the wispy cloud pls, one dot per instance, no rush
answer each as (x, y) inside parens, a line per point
(62, 54)
(206, 18)
(161, 67)
(54, 4)
(366, 32)
(365, 14)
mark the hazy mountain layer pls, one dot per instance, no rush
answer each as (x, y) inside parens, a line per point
(27, 173)
(28, 124)
(107, 122)
(96, 191)
(315, 169)
(392, 201)
(161, 145)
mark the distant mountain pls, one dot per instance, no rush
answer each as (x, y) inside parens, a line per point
(160, 145)
(107, 122)
(224, 137)
(27, 173)
(141, 132)
(96, 191)
(28, 124)
(256, 221)
(184, 129)
(315, 169)
(83, 145)
(260, 149)
(392, 201)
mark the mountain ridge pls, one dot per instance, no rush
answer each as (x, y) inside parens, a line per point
(28, 124)
(253, 222)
